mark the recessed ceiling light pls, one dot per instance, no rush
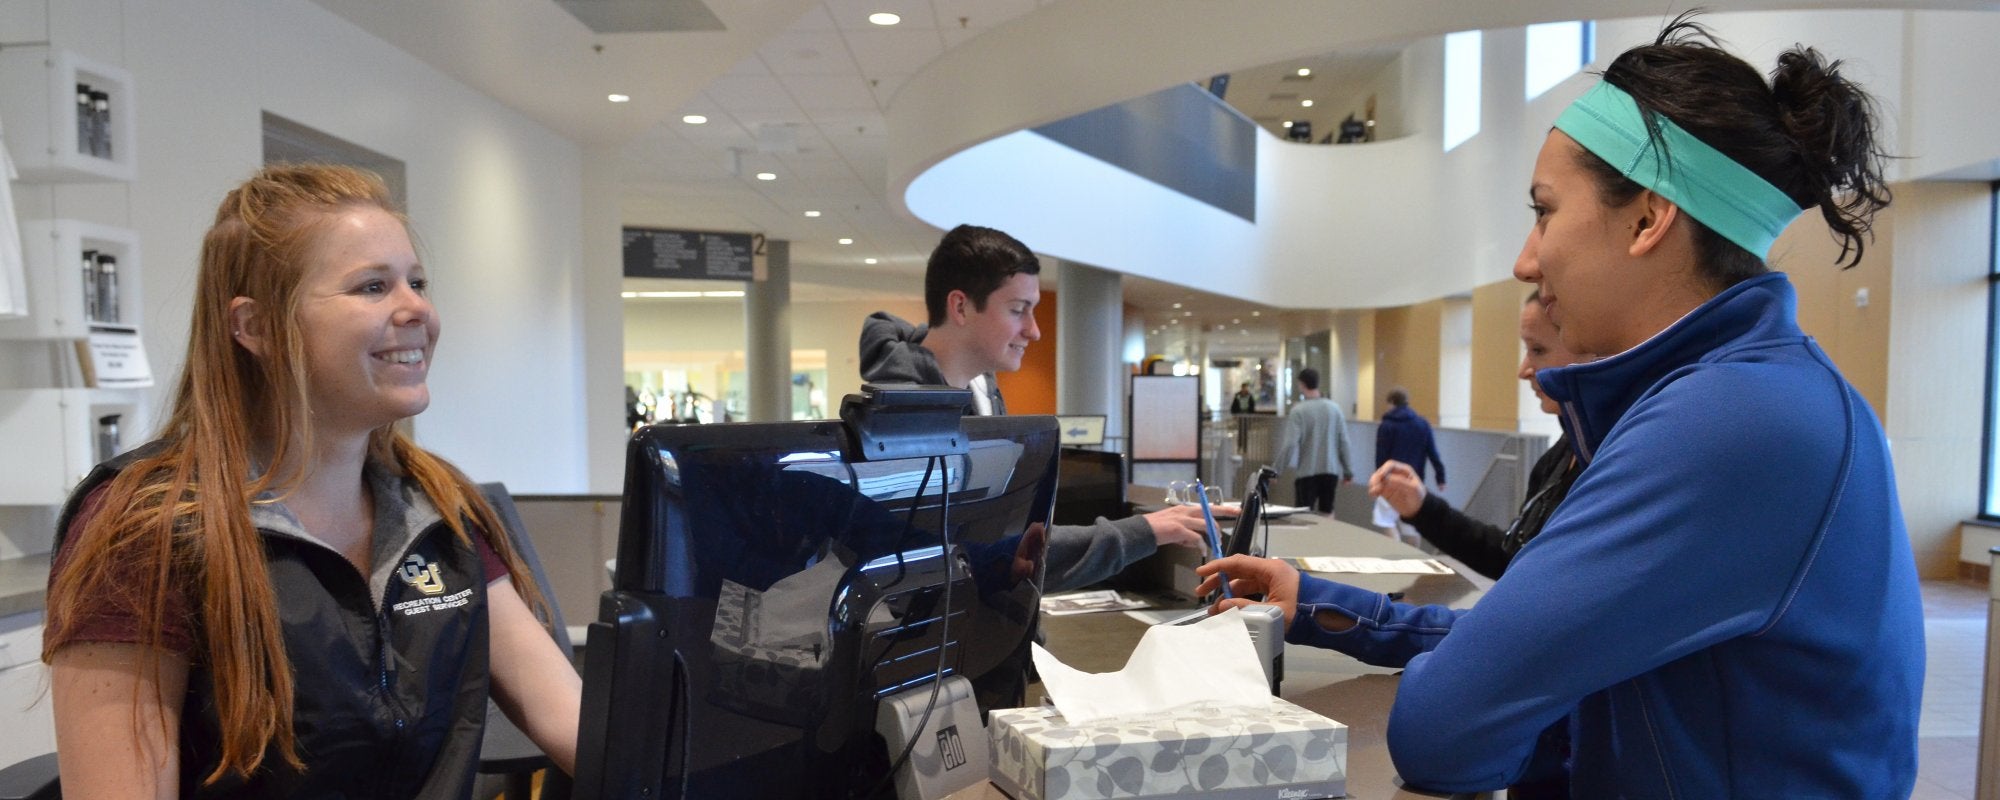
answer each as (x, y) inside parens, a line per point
(847, 241)
(1305, 103)
(1187, 313)
(1177, 305)
(1256, 313)
(767, 176)
(619, 98)
(868, 261)
(884, 18)
(1285, 124)
(694, 119)
(812, 213)
(1236, 322)
(1305, 72)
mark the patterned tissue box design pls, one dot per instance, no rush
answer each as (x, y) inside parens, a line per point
(755, 675)
(1207, 751)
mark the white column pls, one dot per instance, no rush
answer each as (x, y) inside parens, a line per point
(1090, 325)
(767, 335)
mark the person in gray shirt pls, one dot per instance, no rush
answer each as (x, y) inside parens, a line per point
(981, 288)
(1312, 442)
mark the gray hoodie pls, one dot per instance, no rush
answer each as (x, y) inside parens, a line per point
(892, 351)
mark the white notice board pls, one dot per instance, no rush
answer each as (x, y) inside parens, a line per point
(1165, 418)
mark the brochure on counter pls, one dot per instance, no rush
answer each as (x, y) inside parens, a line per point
(1371, 565)
(1090, 602)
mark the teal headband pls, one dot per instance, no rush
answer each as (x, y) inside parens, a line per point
(1724, 195)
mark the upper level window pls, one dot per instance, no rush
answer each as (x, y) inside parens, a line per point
(1557, 50)
(1461, 87)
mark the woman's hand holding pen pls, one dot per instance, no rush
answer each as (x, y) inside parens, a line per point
(1276, 580)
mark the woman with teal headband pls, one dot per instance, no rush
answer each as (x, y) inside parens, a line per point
(1725, 605)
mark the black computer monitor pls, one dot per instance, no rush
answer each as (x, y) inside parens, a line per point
(772, 586)
(1092, 486)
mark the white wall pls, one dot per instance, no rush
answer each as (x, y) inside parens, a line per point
(1950, 96)
(1937, 339)
(494, 197)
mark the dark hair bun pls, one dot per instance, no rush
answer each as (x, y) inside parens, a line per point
(1832, 122)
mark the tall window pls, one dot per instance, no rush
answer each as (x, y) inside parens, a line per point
(1557, 50)
(1461, 87)
(1989, 504)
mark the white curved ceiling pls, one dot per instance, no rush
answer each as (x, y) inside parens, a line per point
(869, 108)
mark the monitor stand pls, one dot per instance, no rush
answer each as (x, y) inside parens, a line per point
(951, 750)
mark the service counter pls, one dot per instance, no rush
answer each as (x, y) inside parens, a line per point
(1324, 681)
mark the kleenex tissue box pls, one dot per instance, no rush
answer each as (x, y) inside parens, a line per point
(1203, 751)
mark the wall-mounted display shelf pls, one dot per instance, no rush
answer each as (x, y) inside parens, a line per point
(62, 302)
(58, 432)
(69, 119)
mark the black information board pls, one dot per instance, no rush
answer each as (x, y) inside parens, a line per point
(658, 253)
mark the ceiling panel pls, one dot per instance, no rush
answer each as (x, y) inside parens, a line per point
(830, 92)
(852, 15)
(894, 51)
(746, 93)
(807, 53)
(814, 19)
(749, 66)
(817, 171)
(885, 87)
(851, 124)
(979, 13)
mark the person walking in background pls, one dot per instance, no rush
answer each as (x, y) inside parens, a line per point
(1406, 436)
(1244, 402)
(1313, 440)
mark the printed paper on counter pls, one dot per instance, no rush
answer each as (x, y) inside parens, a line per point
(1372, 566)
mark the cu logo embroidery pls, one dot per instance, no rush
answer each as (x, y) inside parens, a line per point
(423, 575)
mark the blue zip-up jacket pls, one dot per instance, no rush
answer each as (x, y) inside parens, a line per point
(1726, 600)
(1404, 435)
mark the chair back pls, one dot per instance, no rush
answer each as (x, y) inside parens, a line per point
(517, 534)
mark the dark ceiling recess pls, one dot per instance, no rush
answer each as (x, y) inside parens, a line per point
(642, 16)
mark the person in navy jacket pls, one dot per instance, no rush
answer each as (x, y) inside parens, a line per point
(1725, 605)
(1404, 436)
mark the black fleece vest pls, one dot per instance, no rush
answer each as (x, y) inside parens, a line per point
(387, 703)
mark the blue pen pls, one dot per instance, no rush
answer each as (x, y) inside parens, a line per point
(1214, 538)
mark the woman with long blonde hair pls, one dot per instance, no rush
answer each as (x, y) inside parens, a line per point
(283, 595)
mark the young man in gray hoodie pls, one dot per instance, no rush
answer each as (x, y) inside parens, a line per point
(980, 289)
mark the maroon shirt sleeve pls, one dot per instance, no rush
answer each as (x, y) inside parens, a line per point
(113, 616)
(490, 561)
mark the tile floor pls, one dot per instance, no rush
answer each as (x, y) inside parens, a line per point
(1948, 730)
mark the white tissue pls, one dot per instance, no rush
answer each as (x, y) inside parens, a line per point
(1212, 661)
(1385, 514)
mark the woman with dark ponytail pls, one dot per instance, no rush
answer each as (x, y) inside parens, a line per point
(1725, 604)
